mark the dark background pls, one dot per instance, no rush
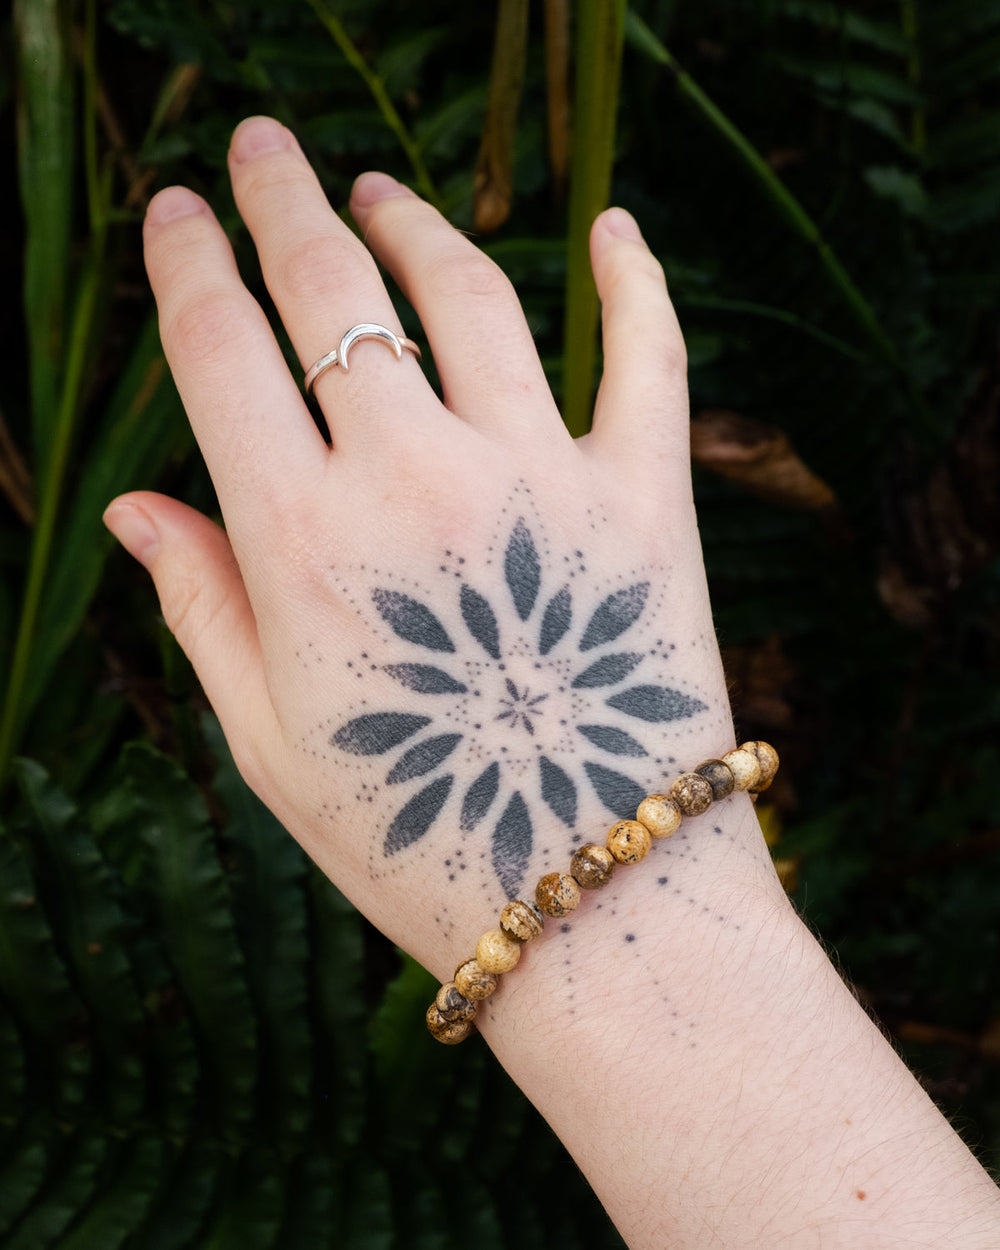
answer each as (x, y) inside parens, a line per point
(202, 1044)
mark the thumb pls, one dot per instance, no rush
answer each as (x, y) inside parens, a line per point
(206, 608)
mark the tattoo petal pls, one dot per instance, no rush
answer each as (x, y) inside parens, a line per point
(615, 741)
(416, 816)
(522, 569)
(377, 732)
(425, 679)
(614, 615)
(481, 620)
(512, 842)
(619, 794)
(479, 797)
(558, 791)
(423, 758)
(607, 670)
(411, 620)
(555, 620)
(655, 703)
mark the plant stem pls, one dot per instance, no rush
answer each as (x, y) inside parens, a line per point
(599, 38)
(385, 106)
(50, 491)
(643, 38)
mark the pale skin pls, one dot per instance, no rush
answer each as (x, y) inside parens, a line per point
(448, 646)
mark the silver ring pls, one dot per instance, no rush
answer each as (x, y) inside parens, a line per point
(366, 330)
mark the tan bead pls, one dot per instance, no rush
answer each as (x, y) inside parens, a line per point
(692, 794)
(719, 776)
(521, 921)
(496, 952)
(557, 894)
(744, 767)
(660, 815)
(472, 980)
(767, 758)
(629, 841)
(452, 1004)
(450, 1032)
(592, 866)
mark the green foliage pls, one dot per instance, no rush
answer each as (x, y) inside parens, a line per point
(203, 1044)
(136, 922)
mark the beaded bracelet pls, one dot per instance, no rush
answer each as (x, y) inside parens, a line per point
(750, 767)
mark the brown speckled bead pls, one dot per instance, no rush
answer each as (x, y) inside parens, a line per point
(629, 841)
(719, 776)
(557, 894)
(450, 1032)
(592, 866)
(767, 758)
(452, 1004)
(692, 794)
(496, 952)
(660, 815)
(744, 767)
(474, 981)
(521, 921)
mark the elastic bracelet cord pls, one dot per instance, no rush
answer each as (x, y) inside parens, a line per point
(750, 767)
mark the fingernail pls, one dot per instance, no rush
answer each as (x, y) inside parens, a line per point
(173, 202)
(258, 135)
(371, 187)
(134, 530)
(622, 225)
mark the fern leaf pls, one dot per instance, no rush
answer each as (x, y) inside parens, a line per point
(66, 1195)
(114, 1216)
(182, 1208)
(337, 972)
(23, 1173)
(35, 984)
(269, 905)
(81, 891)
(252, 1207)
(176, 875)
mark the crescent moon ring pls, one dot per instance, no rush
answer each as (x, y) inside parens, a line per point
(366, 330)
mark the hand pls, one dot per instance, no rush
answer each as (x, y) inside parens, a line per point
(455, 642)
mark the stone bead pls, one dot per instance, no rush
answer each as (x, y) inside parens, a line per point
(452, 1003)
(767, 757)
(719, 776)
(557, 894)
(744, 767)
(629, 841)
(521, 921)
(592, 866)
(472, 980)
(692, 794)
(450, 1032)
(660, 815)
(496, 952)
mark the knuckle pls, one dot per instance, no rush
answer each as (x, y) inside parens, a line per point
(312, 267)
(202, 327)
(471, 275)
(189, 609)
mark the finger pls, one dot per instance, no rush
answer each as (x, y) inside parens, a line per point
(246, 410)
(323, 282)
(206, 608)
(641, 416)
(485, 355)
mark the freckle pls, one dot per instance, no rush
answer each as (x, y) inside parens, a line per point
(860, 1195)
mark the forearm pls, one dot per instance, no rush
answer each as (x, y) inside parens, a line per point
(716, 1080)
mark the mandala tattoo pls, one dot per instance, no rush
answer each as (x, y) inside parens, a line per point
(533, 698)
